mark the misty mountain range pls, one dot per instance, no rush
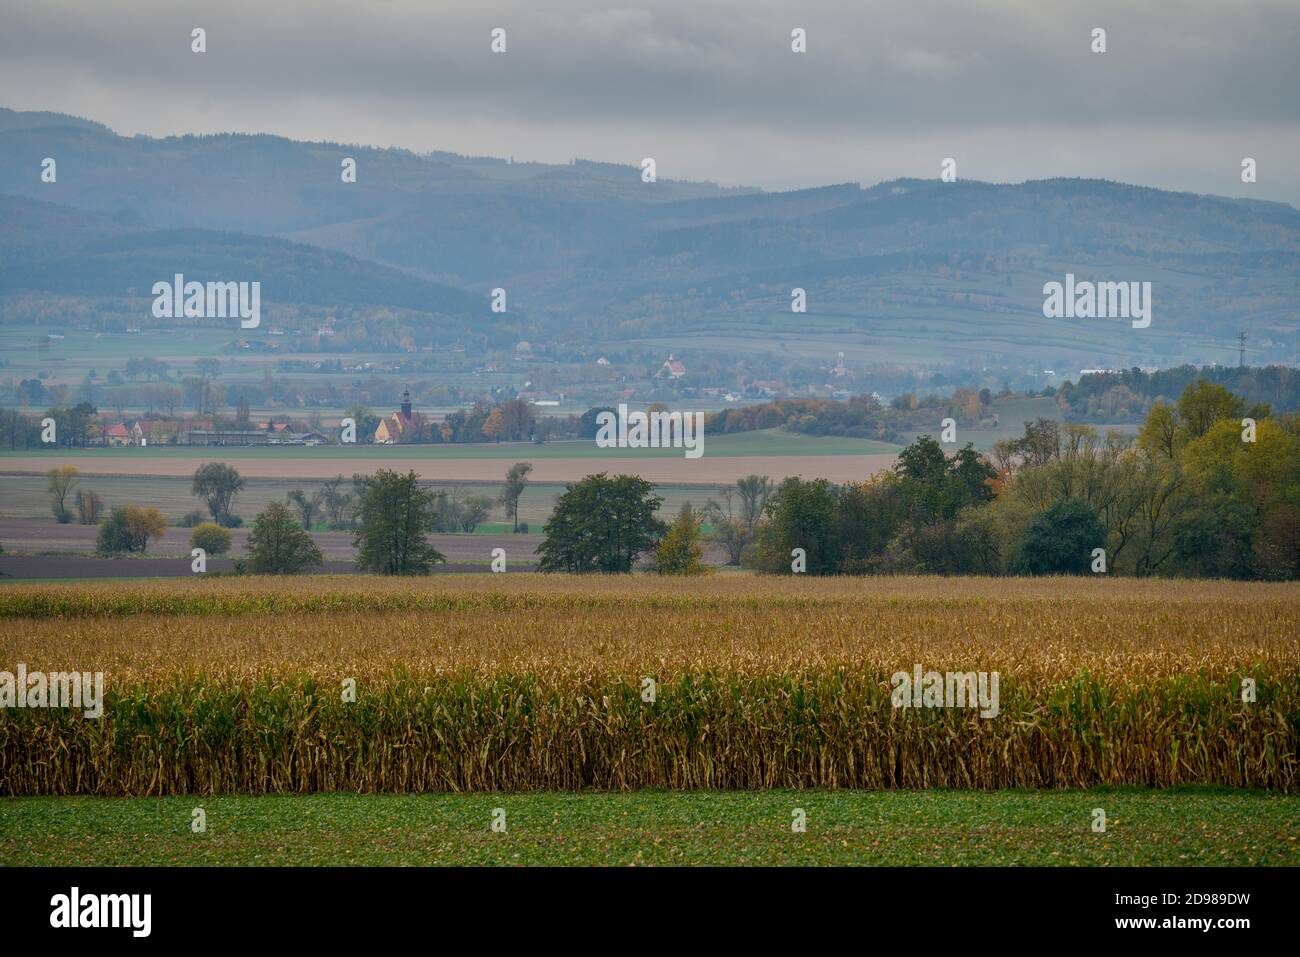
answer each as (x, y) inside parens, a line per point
(904, 271)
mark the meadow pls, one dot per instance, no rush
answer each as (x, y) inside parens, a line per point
(526, 683)
(1176, 827)
(760, 442)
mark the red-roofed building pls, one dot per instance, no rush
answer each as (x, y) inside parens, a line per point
(671, 369)
(117, 435)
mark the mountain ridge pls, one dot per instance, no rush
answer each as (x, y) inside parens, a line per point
(589, 250)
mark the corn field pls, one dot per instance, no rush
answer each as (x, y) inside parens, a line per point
(521, 682)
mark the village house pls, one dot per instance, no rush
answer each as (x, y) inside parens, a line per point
(117, 435)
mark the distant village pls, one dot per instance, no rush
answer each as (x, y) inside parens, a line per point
(402, 425)
(205, 432)
(831, 399)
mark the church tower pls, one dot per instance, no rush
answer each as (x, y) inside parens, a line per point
(406, 404)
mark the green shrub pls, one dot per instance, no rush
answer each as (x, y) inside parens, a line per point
(279, 546)
(210, 537)
(1060, 541)
(129, 529)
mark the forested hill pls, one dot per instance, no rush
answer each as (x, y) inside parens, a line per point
(907, 269)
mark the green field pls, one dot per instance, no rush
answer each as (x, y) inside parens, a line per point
(69, 359)
(763, 442)
(943, 828)
(25, 496)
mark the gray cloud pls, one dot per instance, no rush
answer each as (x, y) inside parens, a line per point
(1008, 87)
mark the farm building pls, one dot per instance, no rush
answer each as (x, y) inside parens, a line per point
(117, 434)
(225, 437)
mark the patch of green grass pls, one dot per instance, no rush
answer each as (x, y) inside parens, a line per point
(759, 442)
(1175, 827)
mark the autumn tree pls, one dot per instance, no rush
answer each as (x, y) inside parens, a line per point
(129, 529)
(89, 507)
(210, 537)
(680, 551)
(492, 426)
(217, 484)
(516, 482)
(60, 482)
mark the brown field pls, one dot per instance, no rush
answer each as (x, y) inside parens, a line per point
(702, 471)
(524, 682)
(25, 498)
(40, 548)
(37, 535)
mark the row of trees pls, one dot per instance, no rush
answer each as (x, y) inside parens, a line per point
(861, 416)
(1127, 394)
(1208, 488)
(338, 503)
(395, 516)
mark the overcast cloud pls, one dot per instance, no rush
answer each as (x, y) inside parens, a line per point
(710, 89)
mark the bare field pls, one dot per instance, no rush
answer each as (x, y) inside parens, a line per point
(36, 535)
(86, 567)
(40, 548)
(27, 497)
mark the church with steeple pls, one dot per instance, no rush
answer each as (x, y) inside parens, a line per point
(390, 428)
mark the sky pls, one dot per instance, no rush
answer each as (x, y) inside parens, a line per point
(1010, 89)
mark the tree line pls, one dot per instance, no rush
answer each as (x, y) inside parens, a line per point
(1209, 487)
(390, 515)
